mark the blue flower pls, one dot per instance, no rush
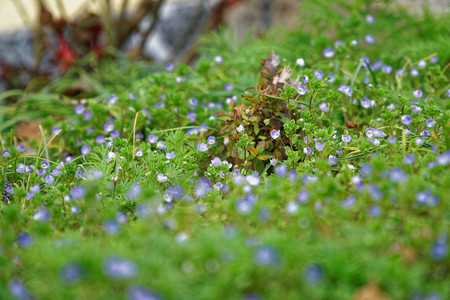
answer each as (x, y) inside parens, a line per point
(320, 146)
(119, 268)
(301, 90)
(202, 147)
(85, 150)
(370, 39)
(313, 274)
(71, 272)
(137, 292)
(323, 107)
(300, 62)
(6, 153)
(77, 192)
(275, 134)
(266, 256)
(49, 179)
(439, 249)
(328, 52)
(418, 93)
(408, 159)
(406, 119)
(111, 227)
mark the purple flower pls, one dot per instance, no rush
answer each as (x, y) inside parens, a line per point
(346, 89)
(300, 62)
(417, 93)
(77, 192)
(375, 192)
(170, 155)
(228, 87)
(421, 64)
(136, 292)
(332, 78)
(370, 39)
(134, 192)
(328, 52)
(161, 177)
(108, 126)
(266, 256)
(318, 74)
(365, 102)
(113, 99)
(79, 109)
(244, 206)
(35, 188)
(305, 79)
(193, 102)
(161, 145)
(41, 215)
(111, 227)
(406, 119)
(202, 147)
(430, 123)
(45, 164)
(18, 290)
(100, 139)
(211, 140)
(313, 274)
(419, 141)
(202, 187)
(392, 140)
(6, 153)
(391, 107)
(49, 179)
(346, 138)
(152, 138)
(275, 134)
(119, 268)
(370, 19)
(132, 96)
(320, 146)
(139, 152)
(323, 107)
(434, 59)
(301, 90)
(281, 170)
(414, 72)
(425, 133)
(71, 273)
(303, 196)
(439, 249)
(79, 174)
(240, 128)
(253, 179)
(426, 197)
(374, 211)
(192, 116)
(348, 202)
(85, 150)
(386, 69)
(443, 158)
(216, 161)
(307, 150)
(218, 59)
(397, 175)
(408, 159)
(20, 168)
(170, 67)
(25, 240)
(56, 172)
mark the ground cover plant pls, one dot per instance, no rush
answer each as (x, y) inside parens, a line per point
(310, 164)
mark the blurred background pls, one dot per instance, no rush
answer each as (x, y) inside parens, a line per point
(41, 39)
